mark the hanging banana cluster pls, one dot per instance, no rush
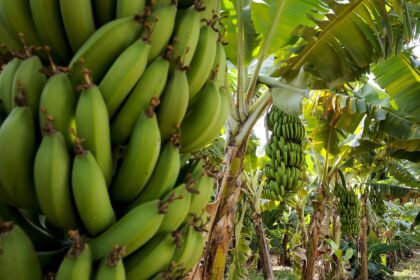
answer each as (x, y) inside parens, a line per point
(285, 149)
(376, 199)
(349, 211)
(99, 103)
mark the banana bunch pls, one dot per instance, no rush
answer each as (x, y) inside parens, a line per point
(96, 118)
(349, 211)
(376, 199)
(285, 172)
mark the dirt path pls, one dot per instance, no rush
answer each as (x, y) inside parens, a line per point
(409, 269)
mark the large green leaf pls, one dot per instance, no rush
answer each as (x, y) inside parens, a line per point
(292, 14)
(342, 47)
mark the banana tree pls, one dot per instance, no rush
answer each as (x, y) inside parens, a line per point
(280, 50)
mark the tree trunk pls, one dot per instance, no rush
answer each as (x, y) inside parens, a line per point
(336, 264)
(263, 247)
(363, 251)
(220, 235)
(312, 246)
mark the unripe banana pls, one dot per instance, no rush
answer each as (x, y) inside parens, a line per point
(203, 57)
(6, 83)
(116, 35)
(17, 152)
(58, 99)
(92, 123)
(112, 267)
(164, 175)
(89, 188)
(173, 104)
(124, 74)
(104, 11)
(213, 131)
(200, 198)
(46, 16)
(132, 231)
(128, 8)
(77, 264)
(9, 38)
(185, 36)
(17, 16)
(159, 27)
(150, 85)
(78, 21)
(219, 66)
(52, 180)
(190, 251)
(201, 116)
(31, 81)
(211, 8)
(139, 159)
(18, 260)
(178, 209)
(152, 258)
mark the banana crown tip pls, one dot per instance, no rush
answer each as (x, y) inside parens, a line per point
(77, 244)
(118, 252)
(6, 226)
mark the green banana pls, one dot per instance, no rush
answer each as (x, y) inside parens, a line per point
(77, 264)
(151, 84)
(212, 132)
(46, 16)
(104, 11)
(58, 99)
(77, 31)
(89, 188)
(204, 56)
(178, 209)
(128, 8)
(8, 38)
(159, 27)
(31, 81)
(201, 196)
(52, 180)
(185, 36)
(201, 116)
(112, 267)
(92, 124)
(164, 175)
(17, 16)
(173, 104)
(219, 67)
(140, 158)
(211, 9)
(132, 231)
(18, 260)
(17, 152)
(152, 258)
(6, 83)
(187, 255)
(124, 74)
(116, 35)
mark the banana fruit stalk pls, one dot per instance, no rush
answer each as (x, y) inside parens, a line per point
(18, 260)
(52, 169)
(77, 264)
(89, 188)
(139, 159)
(112, 267)
(154, 257)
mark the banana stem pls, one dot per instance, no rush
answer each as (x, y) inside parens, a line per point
(263, 52)
(240, 102)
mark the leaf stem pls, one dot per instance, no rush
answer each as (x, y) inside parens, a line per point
(240, 103)
(263, 52)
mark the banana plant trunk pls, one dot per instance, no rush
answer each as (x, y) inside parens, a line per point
(263, 247)
(220, 235)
